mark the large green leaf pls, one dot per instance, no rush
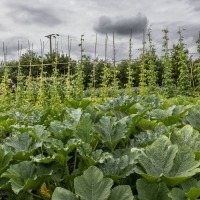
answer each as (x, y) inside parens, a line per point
(121, 192)
(170, 116)
(63, 194)
(111, 131)
(194, 117)
(193, 194)
(5, 159)
(26, 175)
(145, 124)
(162, 160)
(84, 130)
(23, 195)
(191, 188)
(152, 191)
(177, 194)
(92, 186)
(148, 136)
(18, 142)
(59, 130)
(75, 114)
(39, 133)
(158, 158)
(20, 145)
(121, 164)
(121, 103)
(184, 163)
(184, 167)
(83, 103)
(187, 137)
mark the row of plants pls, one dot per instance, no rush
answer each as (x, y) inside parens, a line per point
(144, 148)
(174, 70)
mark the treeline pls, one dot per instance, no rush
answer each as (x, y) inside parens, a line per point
(172, 73)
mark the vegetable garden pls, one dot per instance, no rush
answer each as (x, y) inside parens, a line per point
(60, 140)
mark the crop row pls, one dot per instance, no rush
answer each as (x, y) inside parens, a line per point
(123, 149)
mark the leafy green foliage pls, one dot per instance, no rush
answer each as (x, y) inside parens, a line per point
(5, 159)
(25, 176)
(187, 137)
(165, 161)
(109, 146)
(152, 191)
(92, 186)
(62, 194)
(111, 131)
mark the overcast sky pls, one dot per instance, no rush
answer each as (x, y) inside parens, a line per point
(32, 20)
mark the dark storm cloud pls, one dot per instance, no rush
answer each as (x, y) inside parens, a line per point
(34, 15)
(122, 26)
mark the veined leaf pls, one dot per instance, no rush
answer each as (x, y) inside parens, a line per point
(69, 147)
(53, 144)
(121, 192)
(187, 137)
(149, 136)
(39, 133)
(121, 164)
(152, 191)
(20, 145)
(177, 194)
(184, 163)
(63, 194)
(21, 196)
(75, 114)
(92, 186)
(120, 103)
(158, 157)
(162, 160)
(194, 117)
(111, 131)
(5, 184)
(169, 116)
(19, 142)
(60, 130)
(100, 156)
(192, 182)
(193, 194)
(26, 175)
(191, 188)
(145, 124)
(85, 151)
(42, 159)
(5, 159)
(84, 130)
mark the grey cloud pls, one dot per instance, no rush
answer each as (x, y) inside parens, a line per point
(193, 3)
(34, 15)
(192, 30)
(12, 45)
(122, 26)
